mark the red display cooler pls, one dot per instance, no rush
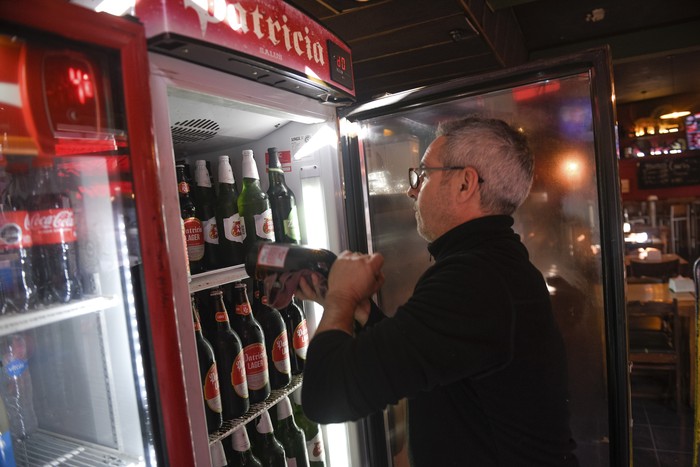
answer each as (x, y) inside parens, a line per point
(91, 367)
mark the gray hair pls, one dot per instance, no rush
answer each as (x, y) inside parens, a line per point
(499, 153)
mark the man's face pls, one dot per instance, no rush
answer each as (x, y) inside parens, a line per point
(432, 201)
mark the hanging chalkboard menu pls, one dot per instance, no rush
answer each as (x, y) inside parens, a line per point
(668, 172)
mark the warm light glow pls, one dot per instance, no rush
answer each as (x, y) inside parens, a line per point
(323, 137)
(626, 227)
(679, 114)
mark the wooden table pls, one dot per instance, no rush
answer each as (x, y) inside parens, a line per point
(686, 310)
(683, 265)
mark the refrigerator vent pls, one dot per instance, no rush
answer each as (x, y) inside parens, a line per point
(191, 131)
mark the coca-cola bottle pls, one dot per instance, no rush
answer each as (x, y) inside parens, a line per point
(16, 277)
(230, 363)
(282, 202)
(54, 237)
(231, 226)
(16, 385)
(251, 334)
(297, 335)
(205, 203)
(194, 234)
(238, 450)
(208, 375)
(254, 206)
(276, 342)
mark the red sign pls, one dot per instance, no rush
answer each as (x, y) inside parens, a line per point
(272, 31)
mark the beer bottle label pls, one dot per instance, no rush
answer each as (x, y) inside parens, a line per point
(234, 228)
(301, 340)
(242, 309)
(221, 317)
(211, 390)
(272, 256)
(194, 236)
(238, 379)
(314, 447)
(291, 225)
(14, 230)
(280, 354)
(183, 187)
(264, 226)
(211, 234)
(256, 366)
(52, 226)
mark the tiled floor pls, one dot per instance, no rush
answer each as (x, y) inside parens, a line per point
(661, 437)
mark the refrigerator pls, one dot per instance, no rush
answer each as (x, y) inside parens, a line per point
(91, 371)
(215, 78)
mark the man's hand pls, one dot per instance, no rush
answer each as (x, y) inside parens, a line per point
(353, 279)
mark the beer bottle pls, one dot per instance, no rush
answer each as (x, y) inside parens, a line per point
(238, 450)
(231, 226)
(276, 342)
(193, 226)
(282, 202)
(254, 205)
(265, 446)
(251, 335)
(205, 203)
(312, 433)
(209, 376)
(290, 435)
(230, 363)
(217, 454)
(297, 335)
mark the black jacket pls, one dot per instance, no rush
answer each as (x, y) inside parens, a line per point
(476, 351)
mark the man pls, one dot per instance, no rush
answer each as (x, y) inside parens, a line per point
(475, 349)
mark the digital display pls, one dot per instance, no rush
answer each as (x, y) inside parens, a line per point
(70, 92)
(340, 65)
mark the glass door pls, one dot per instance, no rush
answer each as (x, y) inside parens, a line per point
(568, 223)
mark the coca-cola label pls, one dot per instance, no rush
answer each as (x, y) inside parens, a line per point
(238, 378)
(211, 234)
(300, 340)
(52, 226)
(194, 236)
(272, 256)
(314, 447)
(242, 309)
(234, 228)
(221, 317)
(280, 353)
(256, 366)
(15, 230)
(264, 228)
(212, 396)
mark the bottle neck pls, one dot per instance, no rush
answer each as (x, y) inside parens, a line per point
(249, 169)
(202, 177)
(225, 172)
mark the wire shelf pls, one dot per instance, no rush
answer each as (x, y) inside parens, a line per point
(46, 449)
(256, 409)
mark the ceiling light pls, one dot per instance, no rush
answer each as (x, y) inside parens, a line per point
(680, 114)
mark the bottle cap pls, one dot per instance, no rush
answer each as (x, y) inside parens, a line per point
(225, 172)
(250, 170)
(201, 174)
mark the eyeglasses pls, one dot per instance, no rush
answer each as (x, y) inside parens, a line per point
(416, 174)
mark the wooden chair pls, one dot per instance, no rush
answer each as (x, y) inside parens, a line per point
(654, 344)
(657, 269)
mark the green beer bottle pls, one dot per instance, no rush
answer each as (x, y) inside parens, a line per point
(254, 205)
(290, 435)
(229, 222)
(312, 433)
(282, 201)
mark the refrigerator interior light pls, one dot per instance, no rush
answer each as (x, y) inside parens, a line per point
(325, 136)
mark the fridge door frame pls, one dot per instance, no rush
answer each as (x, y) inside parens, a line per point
(597, 63)
(161, 355)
